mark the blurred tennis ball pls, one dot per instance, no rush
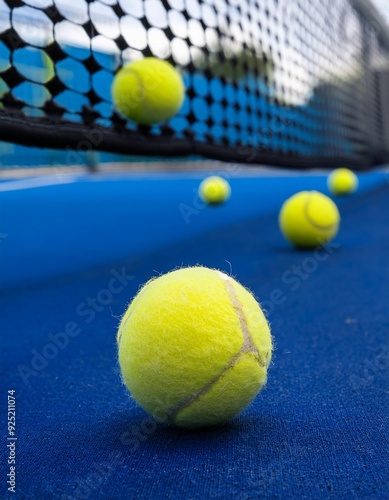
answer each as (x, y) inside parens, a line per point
(309, 219)
(342, 181)
(214, 190)
(148, 91)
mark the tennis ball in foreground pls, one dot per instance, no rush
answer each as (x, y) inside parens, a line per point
(342, 181)
(148, 91)
(214, 190)
(194, 347)
(309, 219)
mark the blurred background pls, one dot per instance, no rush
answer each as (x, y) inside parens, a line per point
(296, 83)
(382, 8)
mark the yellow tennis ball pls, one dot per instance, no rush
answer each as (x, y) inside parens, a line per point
(214, 190)
(309, 219)
(148, 91)
(342, 181)
(194, 347)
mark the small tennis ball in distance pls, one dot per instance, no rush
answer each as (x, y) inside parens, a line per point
(194, 347)
(309, 219)
(148, 91)
(342, 181)
(214, 190)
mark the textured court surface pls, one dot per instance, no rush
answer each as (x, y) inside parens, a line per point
(318, 430)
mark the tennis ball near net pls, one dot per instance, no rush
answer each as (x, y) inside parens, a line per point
(342, 181)
(214, 190)
(309, 219)
(148, 91)
(194, 347)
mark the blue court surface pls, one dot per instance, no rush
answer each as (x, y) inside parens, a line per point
(319, 428)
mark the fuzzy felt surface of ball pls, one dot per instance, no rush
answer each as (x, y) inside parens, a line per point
(148, 91)
(309, 219)
(194, 347)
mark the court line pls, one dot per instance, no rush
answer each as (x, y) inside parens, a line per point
(34, 182)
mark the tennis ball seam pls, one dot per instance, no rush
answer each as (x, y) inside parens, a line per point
(143, 102)
(192, 398)
(311, 221)
(248, 347)
(140, 85)
(248, 343)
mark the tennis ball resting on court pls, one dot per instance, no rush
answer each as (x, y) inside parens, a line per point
(214, 190)
(309, 219)
(342, 181)
(194, 347)
(148, 91)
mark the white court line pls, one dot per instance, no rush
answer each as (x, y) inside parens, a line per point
(35, 182)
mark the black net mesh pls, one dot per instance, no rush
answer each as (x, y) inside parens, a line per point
(290, 82)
